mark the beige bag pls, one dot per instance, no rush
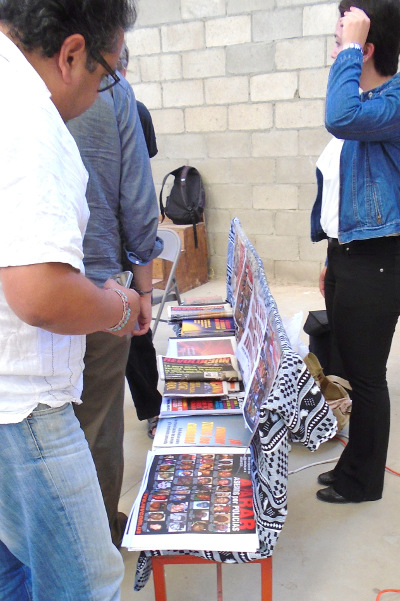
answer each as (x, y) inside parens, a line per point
(333, 389)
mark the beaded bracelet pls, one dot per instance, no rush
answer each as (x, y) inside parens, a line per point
(126, 311)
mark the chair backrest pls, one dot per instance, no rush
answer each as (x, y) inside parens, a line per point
(172, 244)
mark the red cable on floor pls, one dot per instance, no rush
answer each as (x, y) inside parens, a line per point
(388, 469)
(388, 590)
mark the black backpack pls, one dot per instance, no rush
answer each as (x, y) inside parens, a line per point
(185, 203)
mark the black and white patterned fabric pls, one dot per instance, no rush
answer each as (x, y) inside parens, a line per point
(293, 411)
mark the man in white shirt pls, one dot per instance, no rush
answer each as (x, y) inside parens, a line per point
(55, 56)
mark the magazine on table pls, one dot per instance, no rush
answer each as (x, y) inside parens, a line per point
(203, 431)
(195, 406)
(199, 368)
(196, 388)
(177, 313)
(203, 300)
(214, 326)
(201, 347)
(192, 500)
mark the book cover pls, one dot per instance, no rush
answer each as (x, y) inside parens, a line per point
(199, 368)
(177, 313)
(201, 347)
(203, 300)
(196, 388)
(211, 406)
(208, 327)
(203, 431)
(192, 500)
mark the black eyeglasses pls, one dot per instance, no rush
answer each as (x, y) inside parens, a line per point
(106, 86)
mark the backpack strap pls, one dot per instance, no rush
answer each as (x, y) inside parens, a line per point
(185, 171)
(162, 210)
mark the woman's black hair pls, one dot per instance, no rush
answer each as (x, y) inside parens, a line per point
(384, 31)
(43, 25)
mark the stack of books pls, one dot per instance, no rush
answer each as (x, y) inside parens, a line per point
(197, 489)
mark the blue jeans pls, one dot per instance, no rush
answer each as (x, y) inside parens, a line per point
(55, 542)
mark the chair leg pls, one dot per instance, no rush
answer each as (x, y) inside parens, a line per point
(219, 581)
(266, 579)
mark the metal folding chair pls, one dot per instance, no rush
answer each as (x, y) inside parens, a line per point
(171, 252)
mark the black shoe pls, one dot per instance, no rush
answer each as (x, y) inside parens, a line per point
(327, 478)
(329, 495)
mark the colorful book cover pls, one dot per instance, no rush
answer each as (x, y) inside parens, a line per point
(203, 431)
(192, 500)
(208, 327)
(177, 313)
(199, 368)
(211, 406)
(195, 388)
(201, 347)
(202, 300)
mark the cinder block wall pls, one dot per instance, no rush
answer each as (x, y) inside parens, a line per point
(236, 88)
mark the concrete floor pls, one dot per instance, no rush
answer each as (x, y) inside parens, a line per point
(325, 552)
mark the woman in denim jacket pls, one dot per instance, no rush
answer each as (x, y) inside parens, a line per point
(359, 213)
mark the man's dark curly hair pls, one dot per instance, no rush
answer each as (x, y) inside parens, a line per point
(43, 25)
(384, 30)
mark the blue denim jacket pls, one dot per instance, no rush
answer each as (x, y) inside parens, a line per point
(120, 193)
(369, 203)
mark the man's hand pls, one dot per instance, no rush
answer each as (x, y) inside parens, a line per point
(322, 281)
(145, 315)
(355, 26)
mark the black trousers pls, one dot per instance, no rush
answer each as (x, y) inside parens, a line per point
(362, 295)
(142, 376)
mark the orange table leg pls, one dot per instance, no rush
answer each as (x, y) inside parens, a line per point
(160, 591)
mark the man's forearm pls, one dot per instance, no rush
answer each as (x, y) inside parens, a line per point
(57, 298)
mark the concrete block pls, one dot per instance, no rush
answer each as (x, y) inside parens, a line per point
(219, 244)
(143, 41)
(250, 58)
(161, 67)
(273, 86)
(218, 220)
(152, 13)
(218, 266)
(183, 36)
(257, 222)
(292, 222)
(226, 90)
(199, 9)
(204, 63)
(313, 82)
(254, 171)
(275, 143)
(215, 171)
(238, 6)
(229, 196)
(182, 147)
(297, 272)
(250, 116)
(302, 53)
(228, 144)
(206, 118)
(299, 113)
(291, 3)
(313, 141)
(275, 197)
(285, 248)
(133, 71)
(295, 170)
(320, 19)
(307, 195)
(228, 31)
(183, 93)
(149, 94)
(277, 24)
(311, 251)
(168, 121)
